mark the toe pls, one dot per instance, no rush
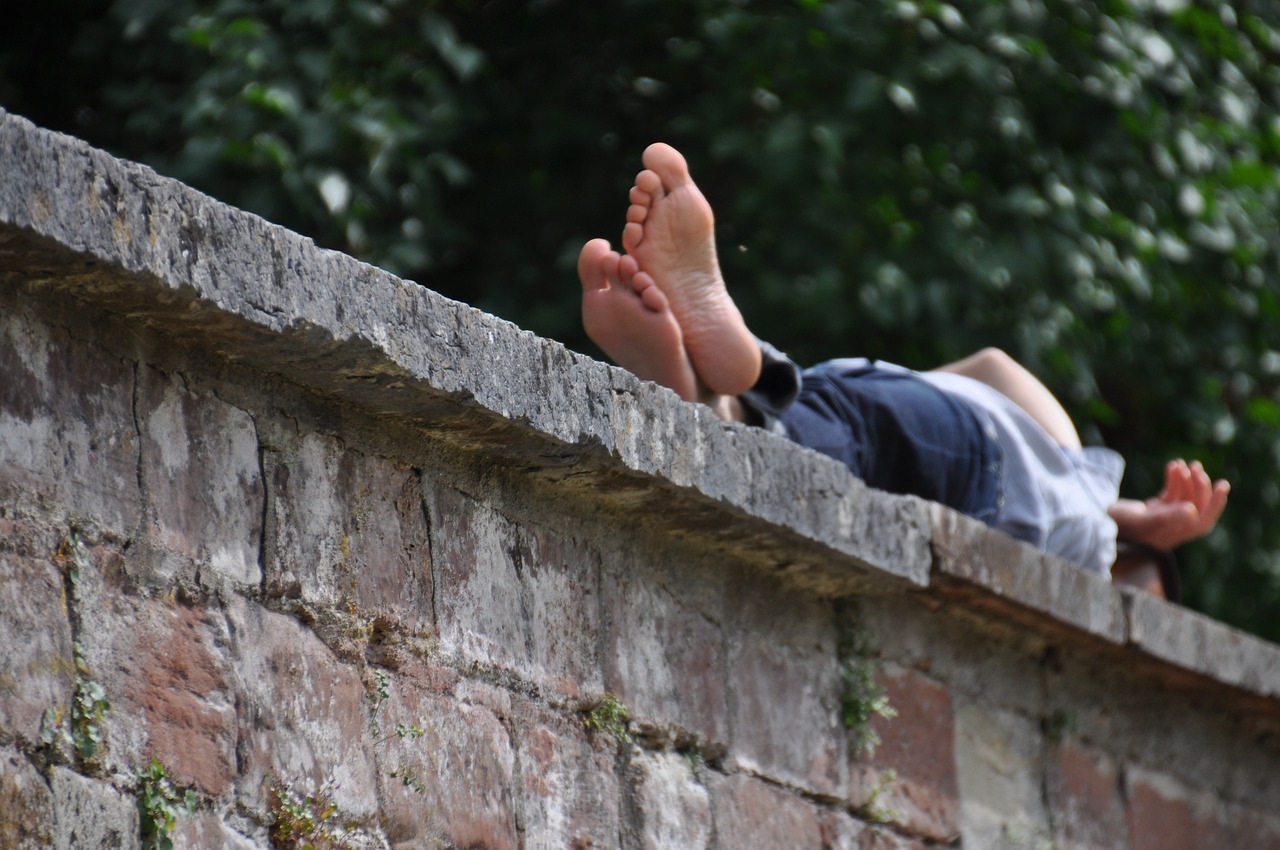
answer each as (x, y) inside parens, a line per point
(668, 164)
(627, 270)
(591, 269)
(609, 268)
(651, 296)
(632, 235)
(650, 183)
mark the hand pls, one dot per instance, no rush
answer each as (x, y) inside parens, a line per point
(1188, 508)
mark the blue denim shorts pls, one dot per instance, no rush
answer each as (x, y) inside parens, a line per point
(898, 433)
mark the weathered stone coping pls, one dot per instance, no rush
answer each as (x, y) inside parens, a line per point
(76, 222)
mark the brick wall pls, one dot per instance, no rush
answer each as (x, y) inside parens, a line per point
(309, 529)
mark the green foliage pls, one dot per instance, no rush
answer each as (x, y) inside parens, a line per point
(55, 740)
(1090, 186)
(874, 810)
(611, 716)
(81, 739)
(409, 779)
(694, 750)
(404, 731)
(382, 692)
(409, 731)
(861, 696)
(159, 805)
(304, 821)
(72, 557)
(89, 706)
(1059, 724)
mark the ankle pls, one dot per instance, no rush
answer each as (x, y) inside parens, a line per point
(728, 407)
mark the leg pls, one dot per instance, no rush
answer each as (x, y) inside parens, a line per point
(898, 433)
(670, 233)
(1002, 373)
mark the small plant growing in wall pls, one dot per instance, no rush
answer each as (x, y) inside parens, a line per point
(159, 805)
(404, 731)
(611, 716)
(89, 707)
(304, 821)
(874, 810)
(381, 693)
(81, 740)
(694, 753)
(55, 738)
(408, 778)
(862, 697)
(1059, 725)
(73, 557)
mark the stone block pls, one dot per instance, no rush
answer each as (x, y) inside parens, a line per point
(201, 479)
(786, 689)
(206, 831)
(881, 838)
(1138, 721)
(1254, 829)
(997, 666)
(36, 666)
(525, 599)
(1191, 641)
(753, 815)
(568, 791)
(841, 831)
(665, 649)
(1250, 748)
(92, 815)
(560, 577)
(475, 552)
(1165, 814)
(999, 773)
(911, 773)
(172, 688)
(1085, 799)
(28, 817)
(673, 807)
(68, 440)
(302, 714)
(1015, 580)
(348, 529)
(446, 765)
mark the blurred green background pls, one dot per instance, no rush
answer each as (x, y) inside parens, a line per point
(1090, 185)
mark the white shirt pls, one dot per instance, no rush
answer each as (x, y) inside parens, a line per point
(1052, 497)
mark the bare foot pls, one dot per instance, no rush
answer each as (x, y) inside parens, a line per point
(631, 320)
(670, 232)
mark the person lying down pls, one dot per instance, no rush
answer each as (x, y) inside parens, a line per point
(981, 435)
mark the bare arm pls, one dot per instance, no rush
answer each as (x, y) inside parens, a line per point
(1007, 376)
(1188, 508)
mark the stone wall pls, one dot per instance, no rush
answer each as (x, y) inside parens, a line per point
(307, 539)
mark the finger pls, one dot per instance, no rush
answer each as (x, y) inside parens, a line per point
(1201, 487)
(1217, 503)
(1178, 481)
